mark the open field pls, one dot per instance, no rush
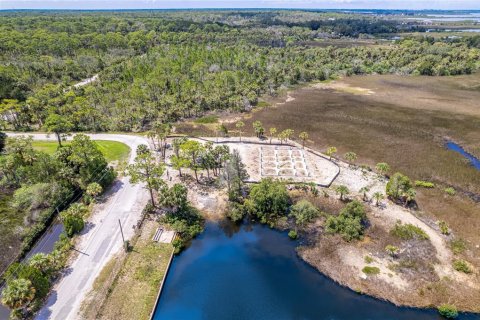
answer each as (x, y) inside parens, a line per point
(136, 280)
(403, 121)
(112, 150)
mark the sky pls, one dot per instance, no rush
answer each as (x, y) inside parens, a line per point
(311, 4)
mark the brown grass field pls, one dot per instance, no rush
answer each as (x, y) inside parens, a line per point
(404, 122)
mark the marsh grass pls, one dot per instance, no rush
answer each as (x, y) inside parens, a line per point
(407, 133)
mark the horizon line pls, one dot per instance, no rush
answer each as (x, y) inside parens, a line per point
(233, 8)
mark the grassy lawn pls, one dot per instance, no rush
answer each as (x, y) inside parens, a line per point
(135, 289)
(112, 150)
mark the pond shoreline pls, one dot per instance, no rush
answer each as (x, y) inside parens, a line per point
(217, 241)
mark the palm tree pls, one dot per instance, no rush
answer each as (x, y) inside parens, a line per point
(342, 191)
(239, 125)
(258, 128)
(42, 262)
(288, 134)
(351, 157)
(392, 250)
(304, 136)
(378, 196)
(93, 190)
(382, 168)
(18, 293)
(364, 191)
(331, 151)
(272, 131)
(282, 136)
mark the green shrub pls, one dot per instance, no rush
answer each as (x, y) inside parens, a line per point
(73, 218)
(236, 212)
(268, 200)
(73, 223)
(458, 246)
(188, 223)
(408, 231)
(398, 186)
(444, 228)
(349, 223)
(349, 228)
(354, 209)
(304, 212)
(368, 259)
(368, 270)
(39, 281)
(293, 234)
(391, 250)
(36, 196)
(42, 262)
(450, 191)
(207, 119)
(262, 104)
(178, 245)
(461, 266)
(424, 184)
(448, 311)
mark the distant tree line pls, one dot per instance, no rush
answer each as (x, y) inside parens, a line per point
(158, 66)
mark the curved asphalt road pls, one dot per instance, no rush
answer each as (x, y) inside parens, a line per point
(101, 241)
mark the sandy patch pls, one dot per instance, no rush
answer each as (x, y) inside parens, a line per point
(343, 87)
(355, 258)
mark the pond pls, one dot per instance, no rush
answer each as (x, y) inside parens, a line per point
(457, 148)
(46, 243)
(253, 272)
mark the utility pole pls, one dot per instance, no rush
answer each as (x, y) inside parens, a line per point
(123, 238)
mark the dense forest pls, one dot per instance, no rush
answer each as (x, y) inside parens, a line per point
(159, 65)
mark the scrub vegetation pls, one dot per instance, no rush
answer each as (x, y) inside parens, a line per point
(43, 184)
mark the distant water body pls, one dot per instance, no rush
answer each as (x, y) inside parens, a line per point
(253, 272)
(471, 158)
(474, 16)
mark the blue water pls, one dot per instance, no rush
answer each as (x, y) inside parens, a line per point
(253, 272)
(455, 147)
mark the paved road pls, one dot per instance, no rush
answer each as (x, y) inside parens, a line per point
(101, 240)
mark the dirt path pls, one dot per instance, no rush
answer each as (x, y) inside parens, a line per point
(86, 81)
